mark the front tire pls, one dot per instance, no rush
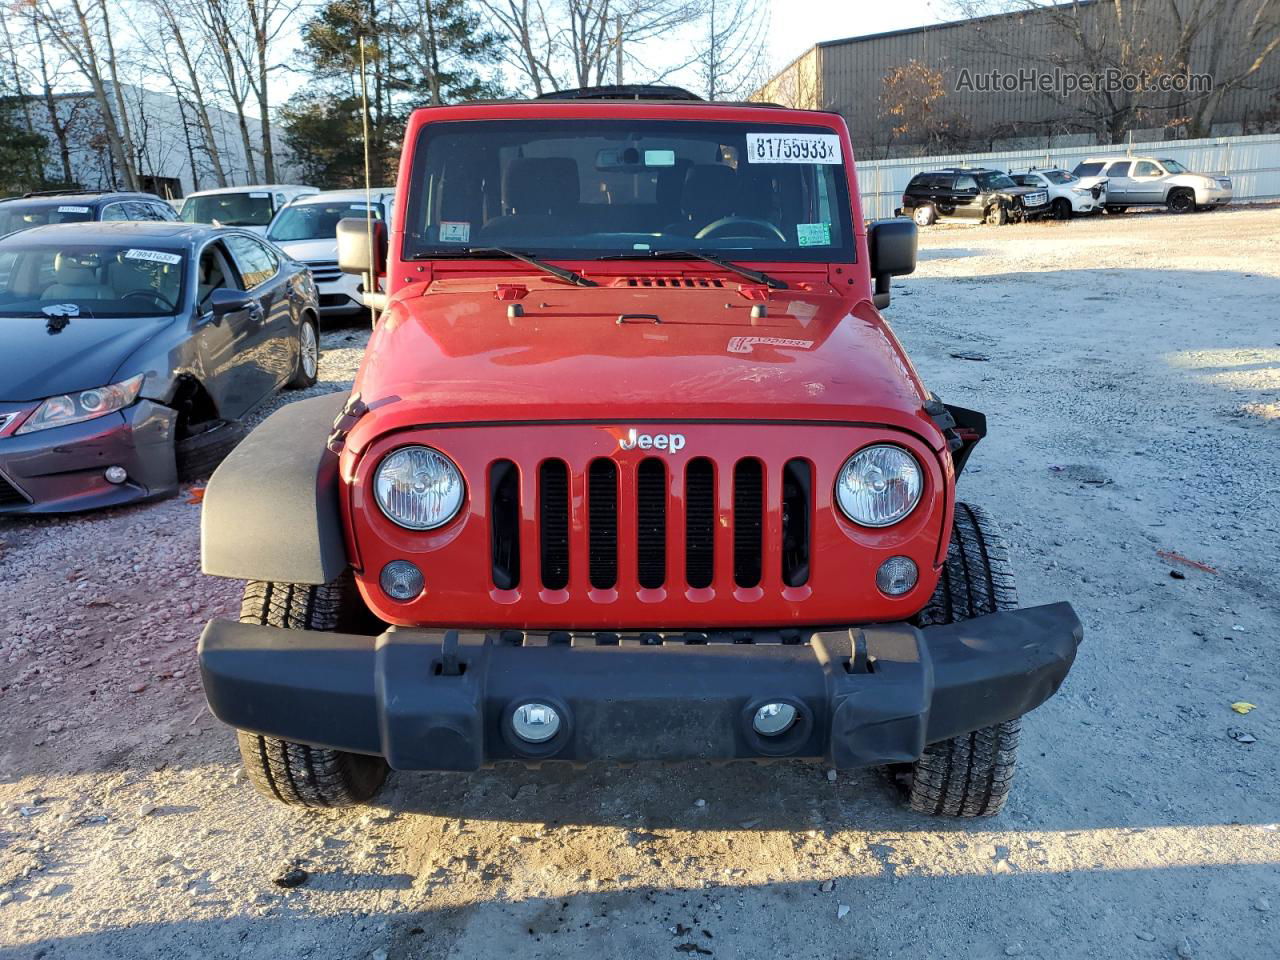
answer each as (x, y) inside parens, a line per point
(295, 773)
(997, 215)
(1182, 201)
(1062, 208)
(308, 368)
(969, 775)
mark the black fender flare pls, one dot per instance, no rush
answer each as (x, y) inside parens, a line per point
(271, 508)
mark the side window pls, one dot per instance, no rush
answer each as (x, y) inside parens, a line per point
(1145, 168)
(138, 210)
(115, 211)
(163, 211)
(1119, 169)
(966, 185)
(257, 262)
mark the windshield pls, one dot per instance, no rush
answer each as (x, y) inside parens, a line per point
(89, 280)
(586, 189)
(251, 209)
(1173, 166)
(995, 181)
(318, 221)
(1089, 169)
(1058, 176)
(18, 215)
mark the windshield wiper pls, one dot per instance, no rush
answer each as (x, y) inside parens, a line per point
(562, 272)
(758, 276)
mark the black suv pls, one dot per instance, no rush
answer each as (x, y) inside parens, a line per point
(975, 193)
(57, 206)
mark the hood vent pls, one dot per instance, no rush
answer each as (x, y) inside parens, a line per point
(705, 283)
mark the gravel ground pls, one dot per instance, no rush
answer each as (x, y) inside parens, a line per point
(1130, 370)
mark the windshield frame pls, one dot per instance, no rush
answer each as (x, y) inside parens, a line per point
(18, 246)
(416, 246)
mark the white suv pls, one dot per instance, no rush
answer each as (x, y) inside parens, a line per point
(1067, 193)
(1153, 182)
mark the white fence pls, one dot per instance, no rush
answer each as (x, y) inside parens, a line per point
(1253, 163)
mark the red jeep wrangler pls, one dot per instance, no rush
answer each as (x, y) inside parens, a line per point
(632, 470)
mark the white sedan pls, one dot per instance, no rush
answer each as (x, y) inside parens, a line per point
(1067, 193)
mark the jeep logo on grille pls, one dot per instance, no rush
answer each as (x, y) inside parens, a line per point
(669, 442)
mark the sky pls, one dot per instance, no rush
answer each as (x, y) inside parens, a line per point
(796, 25)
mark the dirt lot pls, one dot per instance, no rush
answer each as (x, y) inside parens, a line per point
(1130, 369)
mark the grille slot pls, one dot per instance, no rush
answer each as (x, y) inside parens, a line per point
(602, 520)
(797, 485)
(748, 522)
(699, 522)
(553, 523)
(9, 494)
(504, 524)
(651, 526)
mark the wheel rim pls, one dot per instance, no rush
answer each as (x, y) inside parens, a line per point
(1180, 204)
(310, 350)
(922, 216)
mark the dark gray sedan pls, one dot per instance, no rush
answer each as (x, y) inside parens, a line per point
(130, 351)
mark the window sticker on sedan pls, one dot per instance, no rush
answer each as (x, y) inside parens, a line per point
(73, 209)
(455, 231)
(813, 234)
(260, 196)
(155, 256)
(793, 148)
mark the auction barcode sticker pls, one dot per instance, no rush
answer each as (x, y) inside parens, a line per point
(155, 256)
(793, 148)
(68, 209)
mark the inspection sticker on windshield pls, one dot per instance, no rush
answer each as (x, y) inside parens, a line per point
(73, 209)
(155, 256)
(813, 234)
(793, 148)
(455, 231)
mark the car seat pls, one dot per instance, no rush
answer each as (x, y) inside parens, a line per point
(76, 277)
(539, 195)
(711, 192)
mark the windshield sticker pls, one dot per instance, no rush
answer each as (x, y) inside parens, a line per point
(361, 206)
(73, 209)
(61, 310)
(813, 234)
(455, 231)
(793, 148)
(744, 344)
(260, 196)
(659, 158)
(154, 256)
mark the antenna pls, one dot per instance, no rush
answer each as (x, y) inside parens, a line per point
(371, 279)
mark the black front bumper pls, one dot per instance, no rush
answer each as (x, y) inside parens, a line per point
(443, 700)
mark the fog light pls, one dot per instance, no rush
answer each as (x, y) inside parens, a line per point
(401, 580)
(115, 474)
(535, 722)
(773, 719)
(896, 576)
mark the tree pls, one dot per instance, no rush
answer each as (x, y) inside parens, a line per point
(731, 59)
(1229, 41)
(910, 105)
(415, 52)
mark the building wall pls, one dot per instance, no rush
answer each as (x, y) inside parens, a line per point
(161, 125)
(851, 78)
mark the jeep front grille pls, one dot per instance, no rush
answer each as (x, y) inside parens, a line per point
(670, 502)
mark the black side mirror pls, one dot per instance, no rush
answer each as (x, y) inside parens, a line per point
(892, 248)
(224, 300)
(354, 255)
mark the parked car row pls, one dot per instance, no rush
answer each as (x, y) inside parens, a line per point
(1113, 184)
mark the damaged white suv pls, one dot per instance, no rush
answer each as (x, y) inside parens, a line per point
(1153, 182)
(1067, 194)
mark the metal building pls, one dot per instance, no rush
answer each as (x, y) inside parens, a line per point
(932, 89)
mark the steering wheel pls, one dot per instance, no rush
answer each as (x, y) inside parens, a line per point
(159, 298)
(762, 228)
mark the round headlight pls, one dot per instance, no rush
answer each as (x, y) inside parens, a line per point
(879, 485)
(418, 487)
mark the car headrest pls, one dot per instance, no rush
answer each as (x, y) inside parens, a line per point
(541, 185)
(76, 270)
(710, 192)
(127, 275)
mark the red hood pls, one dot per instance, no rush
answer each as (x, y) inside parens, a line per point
(449, 353)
